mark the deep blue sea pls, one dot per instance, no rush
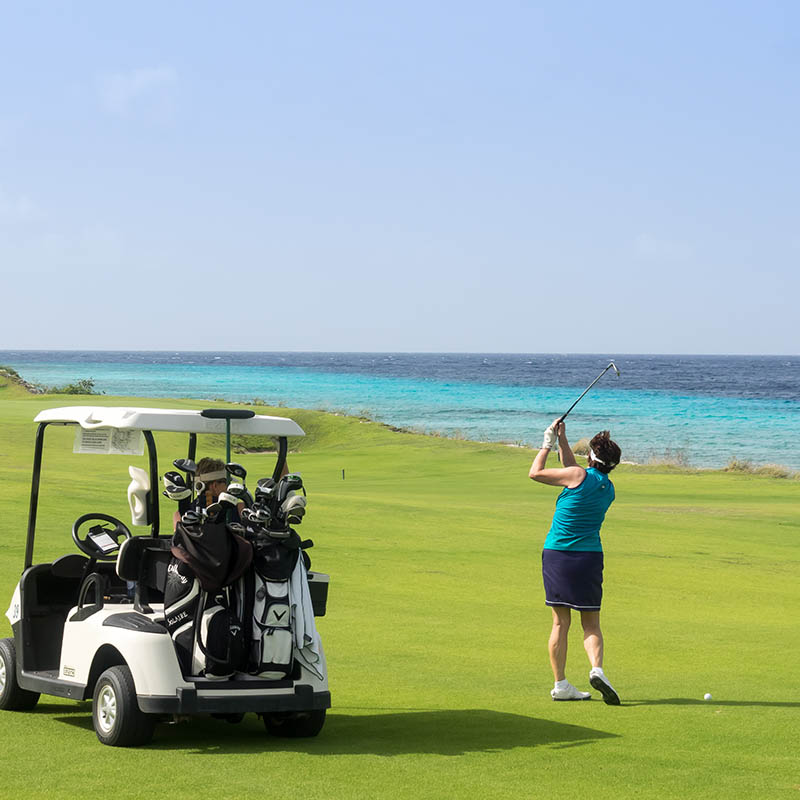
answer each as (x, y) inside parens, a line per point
(701, 410)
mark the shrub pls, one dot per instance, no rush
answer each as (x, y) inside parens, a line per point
(581, 447)
(749, 468)
(739, 465)
(82, 386)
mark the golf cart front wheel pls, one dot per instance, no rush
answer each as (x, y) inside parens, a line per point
(12, 697)
(117, 719)
(295, 724)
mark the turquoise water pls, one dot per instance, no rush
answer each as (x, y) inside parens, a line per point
(699, 429)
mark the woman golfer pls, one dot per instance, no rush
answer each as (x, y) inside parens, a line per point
(572, 559)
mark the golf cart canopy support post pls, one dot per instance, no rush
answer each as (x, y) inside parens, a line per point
(227, 414)
(283, 447)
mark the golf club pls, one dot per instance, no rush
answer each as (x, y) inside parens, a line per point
(293, 509)
(190, 468)
(175, 487)
(237, 471)
(611, 365)
(288, 483)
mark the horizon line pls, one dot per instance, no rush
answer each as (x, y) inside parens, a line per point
(395, 352)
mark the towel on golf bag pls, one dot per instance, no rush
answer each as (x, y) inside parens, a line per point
(206, 629)
(306, 638)
(216, 556)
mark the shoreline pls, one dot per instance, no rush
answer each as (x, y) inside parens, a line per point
(747, 467)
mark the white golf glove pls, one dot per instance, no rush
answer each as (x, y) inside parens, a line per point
(550, 438)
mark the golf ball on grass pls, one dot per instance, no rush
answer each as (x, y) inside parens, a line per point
(707, 696)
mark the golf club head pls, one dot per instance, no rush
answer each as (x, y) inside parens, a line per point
(236, 470)
(192, 517)
(228, 499)
(295, 501)
(258, 514)
(175, 487)
(293, 509)
(289, 483)
(265, 490)
(236, 489)
(614, 366)
(185, 465)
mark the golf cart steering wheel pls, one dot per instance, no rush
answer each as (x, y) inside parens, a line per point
(97, 543)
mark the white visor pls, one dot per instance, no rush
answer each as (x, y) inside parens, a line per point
(219, 475)
(594, 458)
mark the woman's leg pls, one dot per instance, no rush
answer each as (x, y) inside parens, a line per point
(558, 640)
(592, 637)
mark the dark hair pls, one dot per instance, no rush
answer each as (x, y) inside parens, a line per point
(606, 451)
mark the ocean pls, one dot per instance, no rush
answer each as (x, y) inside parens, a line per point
(700, 411)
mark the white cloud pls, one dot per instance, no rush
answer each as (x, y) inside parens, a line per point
(122, 93)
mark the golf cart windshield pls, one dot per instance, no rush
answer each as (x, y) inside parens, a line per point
(120, 429)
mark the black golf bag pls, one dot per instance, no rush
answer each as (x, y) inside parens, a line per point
(203, 599)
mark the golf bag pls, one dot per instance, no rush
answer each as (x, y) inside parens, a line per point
(202, 606)
(272, 648)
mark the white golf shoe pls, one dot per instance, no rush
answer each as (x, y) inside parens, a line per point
(569, 692)
(598, 681)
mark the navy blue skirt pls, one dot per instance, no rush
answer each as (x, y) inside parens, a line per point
(573, 578)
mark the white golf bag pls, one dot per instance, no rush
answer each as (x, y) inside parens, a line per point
(273, 643)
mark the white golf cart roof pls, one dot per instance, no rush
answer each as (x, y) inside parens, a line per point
(166, 419)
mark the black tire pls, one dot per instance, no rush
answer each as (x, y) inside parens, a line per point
(295, 724)
(12, 697)
(116, 716)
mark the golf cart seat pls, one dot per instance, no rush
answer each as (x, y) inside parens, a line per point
(77, 567)
(72, 565)
(144, 560)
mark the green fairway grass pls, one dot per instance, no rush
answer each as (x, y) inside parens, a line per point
(436, 629)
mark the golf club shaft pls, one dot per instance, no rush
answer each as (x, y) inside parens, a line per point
(564, 415)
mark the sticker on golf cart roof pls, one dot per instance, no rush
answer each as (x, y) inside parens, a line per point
(109, 441)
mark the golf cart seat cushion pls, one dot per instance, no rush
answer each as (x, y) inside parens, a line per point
(72, 565)
(144, 558)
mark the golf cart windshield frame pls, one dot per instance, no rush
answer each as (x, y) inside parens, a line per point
(153, 509)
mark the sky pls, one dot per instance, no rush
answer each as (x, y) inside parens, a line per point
(400, 176)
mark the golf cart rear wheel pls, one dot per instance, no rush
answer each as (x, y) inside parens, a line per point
(295, 724)
(12, 697)
(117, 719)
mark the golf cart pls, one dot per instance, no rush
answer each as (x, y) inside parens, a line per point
(92, 624)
